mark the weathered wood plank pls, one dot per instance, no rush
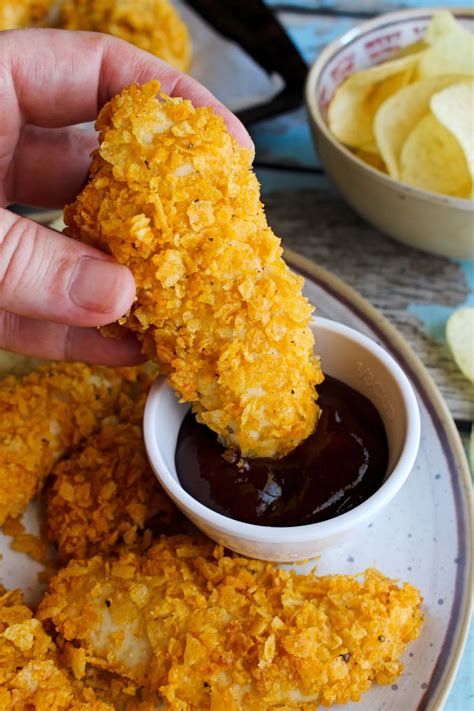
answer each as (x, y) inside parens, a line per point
(390, 275)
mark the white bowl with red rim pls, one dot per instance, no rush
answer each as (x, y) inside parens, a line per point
(357, 361)
(435, 223)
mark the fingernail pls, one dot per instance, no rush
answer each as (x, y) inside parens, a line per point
(96, 284)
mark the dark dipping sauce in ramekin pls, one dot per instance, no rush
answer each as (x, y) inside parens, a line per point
(338, 467)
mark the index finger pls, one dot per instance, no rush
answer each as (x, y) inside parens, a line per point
(61, 77)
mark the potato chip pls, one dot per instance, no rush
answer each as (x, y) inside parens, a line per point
(372, 158)
(442, 23)
(433, 160)
(453, 107)
(451, 52)
(398, 115)
(369, 148)
(352, 110)
(414, 48)
(460, 338)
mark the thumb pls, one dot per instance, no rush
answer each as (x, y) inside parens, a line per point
(45, 275)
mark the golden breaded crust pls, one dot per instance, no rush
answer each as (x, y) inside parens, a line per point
(106, 493)
(173, 196)
(23, 13)
(23, 542)
(153, 25)
(214, 631)
(30, 673)
(121, 693)
(42, 416)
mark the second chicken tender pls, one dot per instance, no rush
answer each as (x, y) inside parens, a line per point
(42, 417)
(153, 25)
(173, 196)
(31, 675)
(106, 493)
(213, 631)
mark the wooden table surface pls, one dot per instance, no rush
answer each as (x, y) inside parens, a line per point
(416, 291)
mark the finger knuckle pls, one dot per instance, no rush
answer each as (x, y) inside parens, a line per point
(70, 344)
(30, 262)
(5, 81)
(18, 246)
(9, 331)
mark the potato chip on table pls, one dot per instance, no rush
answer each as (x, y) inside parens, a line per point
(460, 338)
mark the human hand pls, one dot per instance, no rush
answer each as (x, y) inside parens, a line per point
(54, 290)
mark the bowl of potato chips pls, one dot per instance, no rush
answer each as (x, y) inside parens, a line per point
(391, 107)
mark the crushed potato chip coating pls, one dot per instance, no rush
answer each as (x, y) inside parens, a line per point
(153, 25)
(31, 676)
(24, 542)
(173, 196)
(42, 416)
(22, 13)
(211, 631)
(106, 493)
(118, 691)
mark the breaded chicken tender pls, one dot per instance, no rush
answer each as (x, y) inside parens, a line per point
(42, 417)
(31, 676)
(211, 631)
(22, 13)
(172, 196)
(153, 25)
(106, 493)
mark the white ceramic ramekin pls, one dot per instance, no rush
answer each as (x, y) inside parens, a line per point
(348, 356)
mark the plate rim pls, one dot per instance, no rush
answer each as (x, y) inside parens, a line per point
(368, 313)
(432, 698)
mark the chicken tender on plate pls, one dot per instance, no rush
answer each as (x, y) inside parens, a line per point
(172, 196)
(106, 493)
(212, 631)
(42, 417)
(153, 25)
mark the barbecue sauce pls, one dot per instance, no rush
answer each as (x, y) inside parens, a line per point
(336, 468)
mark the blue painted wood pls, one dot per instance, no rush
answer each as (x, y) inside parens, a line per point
(461, 697)
(274, 180)
(369, 7)
(285, 140)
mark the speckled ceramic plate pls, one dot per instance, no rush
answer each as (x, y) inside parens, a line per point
(423, 537)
